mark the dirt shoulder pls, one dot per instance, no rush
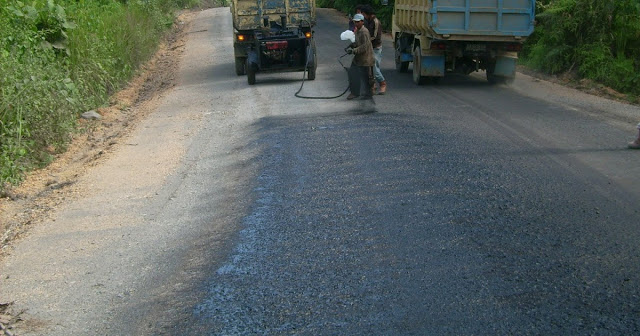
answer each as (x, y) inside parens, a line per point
(582, 84)
(26, 205)
(118, 243)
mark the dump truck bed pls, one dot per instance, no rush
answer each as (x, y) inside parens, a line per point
(466, 19)
(249, 14)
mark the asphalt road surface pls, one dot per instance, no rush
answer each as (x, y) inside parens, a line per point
(459, 208)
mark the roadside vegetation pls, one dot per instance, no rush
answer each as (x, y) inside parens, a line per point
(597, 40)
(592, 39)
(60, 58)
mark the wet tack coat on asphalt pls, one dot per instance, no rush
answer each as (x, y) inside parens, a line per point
(385, 224)
(452, 209)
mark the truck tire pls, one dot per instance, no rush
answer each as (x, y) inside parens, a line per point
(311, 71)
(240, 63)
(401, 67)
(417, 63)
(251, 74)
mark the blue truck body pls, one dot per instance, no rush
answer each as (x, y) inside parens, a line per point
(441, 36)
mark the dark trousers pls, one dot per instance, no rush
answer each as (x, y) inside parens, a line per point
(361, 80)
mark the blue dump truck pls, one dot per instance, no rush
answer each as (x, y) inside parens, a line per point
(463, 36)
(273, 36)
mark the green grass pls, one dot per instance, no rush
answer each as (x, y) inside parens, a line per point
(595, 39)
(59, 58)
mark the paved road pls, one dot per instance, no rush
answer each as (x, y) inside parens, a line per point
(459, 208)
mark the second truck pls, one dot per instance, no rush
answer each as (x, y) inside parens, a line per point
(440, 36)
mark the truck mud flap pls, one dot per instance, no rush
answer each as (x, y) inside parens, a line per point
(402, 46)
(432, 66)
(505, 66)
(406, 57)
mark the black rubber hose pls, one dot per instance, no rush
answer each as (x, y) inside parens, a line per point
(304, 75)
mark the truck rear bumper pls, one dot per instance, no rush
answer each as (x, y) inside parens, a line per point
(297, 55)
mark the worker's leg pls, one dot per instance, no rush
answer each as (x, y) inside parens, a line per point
(370, 80)
(354, 81)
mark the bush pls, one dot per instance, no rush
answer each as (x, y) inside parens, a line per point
(59, 58)
(383, 12)
(599, 39)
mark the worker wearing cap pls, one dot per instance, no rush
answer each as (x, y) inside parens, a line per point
(361, 71)
(375, 28)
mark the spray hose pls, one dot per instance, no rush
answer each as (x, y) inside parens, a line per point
(304, 75)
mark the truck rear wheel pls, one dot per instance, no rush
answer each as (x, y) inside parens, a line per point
(240, 63)
(311, 71)
(251, 74)
(417, 67)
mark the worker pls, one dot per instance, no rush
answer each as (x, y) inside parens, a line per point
(352, 26)
(375, 29)
(361, 70)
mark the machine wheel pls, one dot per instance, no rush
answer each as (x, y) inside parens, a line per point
(311, 72)
(251, 74)
(417, 64)
(240, 63)
(400, 66)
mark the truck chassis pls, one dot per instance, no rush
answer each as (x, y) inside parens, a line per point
(433, 58)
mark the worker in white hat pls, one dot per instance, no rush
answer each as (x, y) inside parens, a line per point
(361, 79)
